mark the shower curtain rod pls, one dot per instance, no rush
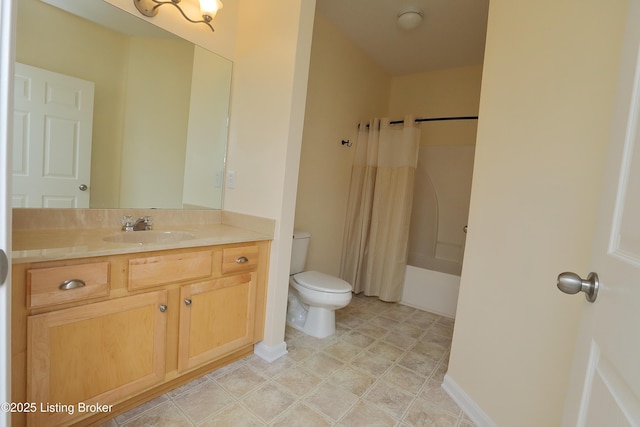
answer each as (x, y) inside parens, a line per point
(348, 143)
(432, 119)
(437, 119)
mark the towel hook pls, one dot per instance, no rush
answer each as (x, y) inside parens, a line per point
(347, 142)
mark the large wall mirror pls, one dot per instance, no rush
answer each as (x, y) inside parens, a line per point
(160, 110)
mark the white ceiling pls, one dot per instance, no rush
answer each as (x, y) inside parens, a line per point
(452, 33)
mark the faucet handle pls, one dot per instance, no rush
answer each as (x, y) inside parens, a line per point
(148, 222)
(127, 223)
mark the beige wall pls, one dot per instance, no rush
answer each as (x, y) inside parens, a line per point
(269, 86)
(344, 87)
(439, 93)
(156, 141)
(547, 93)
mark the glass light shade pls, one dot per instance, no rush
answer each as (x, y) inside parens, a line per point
(210, 7)
(410, 19)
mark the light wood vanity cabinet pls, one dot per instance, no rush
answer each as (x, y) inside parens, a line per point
(216, 316)
(142, 324)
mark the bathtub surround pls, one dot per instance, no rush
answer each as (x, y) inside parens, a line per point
(374, 250)
(431, 291)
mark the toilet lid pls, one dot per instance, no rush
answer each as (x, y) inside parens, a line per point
(322, 282)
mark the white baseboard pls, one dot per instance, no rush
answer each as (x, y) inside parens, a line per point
(468, 406)
(270, 353)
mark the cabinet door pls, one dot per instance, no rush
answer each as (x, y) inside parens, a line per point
(216, 318)
(96, 353)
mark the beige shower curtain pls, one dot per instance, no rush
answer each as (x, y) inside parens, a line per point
(374, 250)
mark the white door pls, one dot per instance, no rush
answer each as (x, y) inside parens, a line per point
(605, 380)
(7, 25)
(53, 120)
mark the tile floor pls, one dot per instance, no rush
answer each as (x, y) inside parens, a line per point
(383, 367)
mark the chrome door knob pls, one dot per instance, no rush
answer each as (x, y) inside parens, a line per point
(571, 283)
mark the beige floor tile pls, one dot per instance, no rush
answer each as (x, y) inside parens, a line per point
(400, 340)
(164, 415)
(321, 364)
(435, 395)
(405, 379)
(398, 315)
(417, 362)
(358, 339)
(241, 381)
(444, 330)
(382, 367)
(372, 364)
(432, 350)
(298, 380)
(349, 321)
(234, 415)
(269, 401)
(331, 401)
(300, 414)
(203, 400)
(298, 350)
(407, 329)
(423, 413)
(342, 350)
(188, 386)
(373, 331)
(365, 414)
(390, 399)
(383, 322)
(122, 418)
(439, 373)
(353, 380)
(386, 351)
(422, 320)
(274, 368)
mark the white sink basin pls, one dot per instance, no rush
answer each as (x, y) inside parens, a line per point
(149, 236)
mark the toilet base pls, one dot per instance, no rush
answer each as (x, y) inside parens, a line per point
(319, 322)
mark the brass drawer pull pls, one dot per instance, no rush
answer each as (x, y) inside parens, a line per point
(242, 260)
(71, 284)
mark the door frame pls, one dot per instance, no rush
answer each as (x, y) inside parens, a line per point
(7, 52)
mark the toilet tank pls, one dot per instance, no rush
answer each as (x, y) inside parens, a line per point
(299, 251)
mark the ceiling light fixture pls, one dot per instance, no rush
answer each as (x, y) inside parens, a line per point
(209, 8)
(410, 18)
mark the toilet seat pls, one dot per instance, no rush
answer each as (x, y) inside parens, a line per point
(321, 282)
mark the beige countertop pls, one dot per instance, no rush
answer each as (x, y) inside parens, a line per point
(57, 244)
(34, 245)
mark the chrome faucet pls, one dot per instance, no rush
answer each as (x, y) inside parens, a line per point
(142, 223)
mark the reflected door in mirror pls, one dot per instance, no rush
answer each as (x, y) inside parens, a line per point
(53, 118)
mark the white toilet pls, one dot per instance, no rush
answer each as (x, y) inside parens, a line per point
(313, 296)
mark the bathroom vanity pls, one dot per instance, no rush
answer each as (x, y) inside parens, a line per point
(100, 326)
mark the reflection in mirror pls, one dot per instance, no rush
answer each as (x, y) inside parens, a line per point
(160, 107)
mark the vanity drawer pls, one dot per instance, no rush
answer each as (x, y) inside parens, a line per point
(162, 269)
(57, 285)
(242, 258)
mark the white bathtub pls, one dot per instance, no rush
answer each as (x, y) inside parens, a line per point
(431, 291)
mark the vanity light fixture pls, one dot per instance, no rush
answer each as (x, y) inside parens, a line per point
(209, 8)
